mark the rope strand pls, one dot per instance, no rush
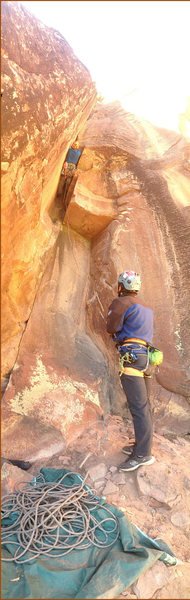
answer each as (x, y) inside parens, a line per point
(54, 519)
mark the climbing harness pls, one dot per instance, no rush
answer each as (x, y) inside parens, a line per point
(68, 173)
(154, 355)
(130, 356)
(52, 519)
(70, 169)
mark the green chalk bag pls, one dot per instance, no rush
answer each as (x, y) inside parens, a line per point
(155, 356)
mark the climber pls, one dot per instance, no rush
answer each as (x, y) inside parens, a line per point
(69, 166)
(130, 323)
(72, 158)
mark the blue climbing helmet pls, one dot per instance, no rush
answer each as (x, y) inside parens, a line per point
(129, 281)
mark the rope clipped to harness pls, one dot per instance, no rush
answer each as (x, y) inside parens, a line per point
(52, 519)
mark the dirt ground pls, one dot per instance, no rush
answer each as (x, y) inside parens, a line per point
(156, 498)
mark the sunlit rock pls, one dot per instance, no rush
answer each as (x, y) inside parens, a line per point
(150, 234)
(47, 95)
(127, 207)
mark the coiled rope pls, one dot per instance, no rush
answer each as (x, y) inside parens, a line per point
(51, 518)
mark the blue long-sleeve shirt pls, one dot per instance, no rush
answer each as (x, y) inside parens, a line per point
(129, 318)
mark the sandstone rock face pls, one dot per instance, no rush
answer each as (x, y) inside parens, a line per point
(59, 375)
(28, 437)
(162, 488)
(121, 213)
(150, 232)
(12, 475)
(128, 208)
(47, 96)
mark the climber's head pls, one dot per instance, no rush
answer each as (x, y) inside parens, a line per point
(128, 281)
(75, 145)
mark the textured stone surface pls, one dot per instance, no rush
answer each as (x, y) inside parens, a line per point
(152, 580)
(151, 516)
(181, 519)
(160, 484)
(89, 214)
(11, 475)
(178, 587)
(53, 397)
(28, 438)
(98, 471)
(66, 357)
(150, 232)
(60, 372)
(110, 488)
(128, 208)
(161, 582)
(47, 97)
(119, 478)
(171, 411)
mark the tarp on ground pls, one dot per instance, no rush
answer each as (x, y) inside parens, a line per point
(89, 573)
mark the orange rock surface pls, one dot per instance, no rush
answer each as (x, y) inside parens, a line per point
(47, 95)
(128, 207)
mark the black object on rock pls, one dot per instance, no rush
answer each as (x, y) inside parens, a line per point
(22, 464)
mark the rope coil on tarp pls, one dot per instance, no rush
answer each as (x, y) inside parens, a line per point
(52, 519)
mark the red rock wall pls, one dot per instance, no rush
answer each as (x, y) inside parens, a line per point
(150, 233)
(47, 97)
(129, 208)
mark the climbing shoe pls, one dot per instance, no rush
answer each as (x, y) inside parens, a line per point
(136, 461)
(128, 449)
(22, 464)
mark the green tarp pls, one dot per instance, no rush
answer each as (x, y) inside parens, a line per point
(89, 573)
